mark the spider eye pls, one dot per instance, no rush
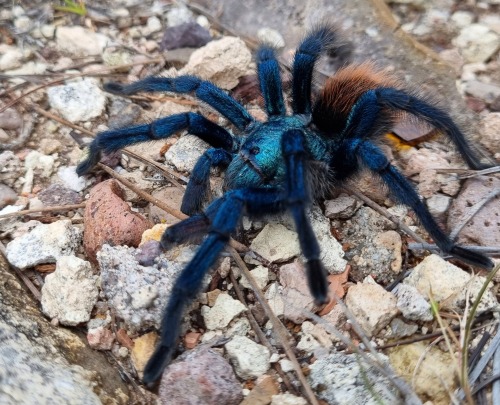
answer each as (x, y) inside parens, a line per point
(254, 150)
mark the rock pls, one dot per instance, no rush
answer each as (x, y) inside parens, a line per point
(438, 205)
(50, 146)
(287, 399)
(419, 364)
(223, 312)
(261, 276)
(109, 219)
(477, 43)
(78, 101)
(400, 329)
(142, 350)
(78, 41)
(489, 134)
(100, 338)
(171, 196)
(138, 293)
(44, 244)
(372, 306)
(342, 207)
(276, 243)
(10, 118)
(191, 340)
(7, 196)
(449, 284)
(153, 25)
(57, 194)
(270, 36)
(222, 62)
(184, 154)
(249, 359)
(10, 58)
(483, 91)
(178, 15)
(70, 292)
(265, 388)
(484, 227)
(190, 35)
(203, 377)
(412, 304)
(68, 176)
(11, 168)
(41, 164)
(342, 379)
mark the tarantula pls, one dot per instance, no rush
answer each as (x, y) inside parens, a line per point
(283, 163)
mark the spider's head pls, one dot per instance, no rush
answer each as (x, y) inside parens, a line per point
(260, 162)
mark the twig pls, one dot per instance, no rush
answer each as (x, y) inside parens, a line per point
(495, 391)
(280, 331)
(469, 173)
(473, 211)
(491, 250)
(58, 208)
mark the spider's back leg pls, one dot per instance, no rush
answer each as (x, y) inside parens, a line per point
(270, 81)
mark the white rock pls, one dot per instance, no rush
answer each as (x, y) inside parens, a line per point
(154, 24)
(48, 30)
(249, 359)
(462, 19)
(261, 276)
(36, 160)
(276, 243)
(412, 304)
(271, 37)
(372, 306)
(273, 297)
(185, 153)
(70, 292)
(286, 365)
(78, 101)
(449, 284)
(22, 23)
(438, 204)
(70, 179)
(78, 41)
(287, 399)
(10, 57)
(222, 62)
(477, 42)
(178, 15)
(223, 312)
(44, 244)
(308, 343)
(144, 297)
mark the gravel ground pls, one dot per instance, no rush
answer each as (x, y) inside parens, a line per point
(94, 262)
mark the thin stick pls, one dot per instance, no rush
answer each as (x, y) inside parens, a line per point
(60, 208)
(491, 250)
(279, 329)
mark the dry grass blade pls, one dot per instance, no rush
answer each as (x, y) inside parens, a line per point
(495, 391)
(278, 328)
(488, 250)
(469, 173)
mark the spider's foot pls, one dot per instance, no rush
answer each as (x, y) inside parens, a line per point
(318, 284)
(91, 156)
(473, 258)
(114, 88)
(156, 364)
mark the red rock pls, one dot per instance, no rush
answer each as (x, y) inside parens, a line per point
(109, 219)
(100, 338)
(191, 340)
(124, 339)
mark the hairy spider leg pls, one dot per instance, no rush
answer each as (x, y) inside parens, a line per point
(399, 100)
(364, 117)
(270, 81)
(115, 139)
(310, 49)
(198, 185)
(204, 90)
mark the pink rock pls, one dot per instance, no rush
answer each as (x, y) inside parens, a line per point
(109, 219)
(204, 377)
(100, 338)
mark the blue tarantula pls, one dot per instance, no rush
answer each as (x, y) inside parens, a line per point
(283, 163)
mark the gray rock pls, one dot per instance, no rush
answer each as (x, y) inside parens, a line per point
(11, 168)
(400, 329)
(372, 306)
(57, 194)
(222, 62)
(185, 153)
(249, 359)
(489, 135)
(70, 292)
(186, 35)
(7, 196)
(10, 119)
(412, 304)
(138, 293)
(202, 377)
(44, 244)
(341, 379)
(78, 101)
(477, 42)
(485, 91)
(78, 41)
(343, 207)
